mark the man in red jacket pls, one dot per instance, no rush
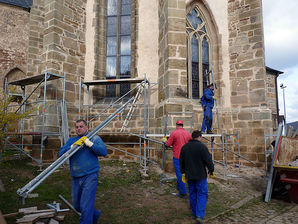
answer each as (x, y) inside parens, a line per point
(177, 139)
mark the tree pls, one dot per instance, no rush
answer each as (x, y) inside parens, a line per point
(7, 116)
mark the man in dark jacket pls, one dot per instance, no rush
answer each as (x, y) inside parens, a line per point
(194, 159)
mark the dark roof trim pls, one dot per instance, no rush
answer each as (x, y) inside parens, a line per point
(25, 4)
(273, 71)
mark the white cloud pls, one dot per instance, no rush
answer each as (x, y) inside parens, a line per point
(289, 79)
(281, 41)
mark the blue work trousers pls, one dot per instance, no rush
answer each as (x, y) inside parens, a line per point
(208, 119)
(198, 194)
(83, 197)
(180, 185)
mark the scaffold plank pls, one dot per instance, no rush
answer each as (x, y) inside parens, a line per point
(112, 81)
(34, 79)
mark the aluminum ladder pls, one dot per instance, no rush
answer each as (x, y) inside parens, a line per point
(216, 106)
(133, 107)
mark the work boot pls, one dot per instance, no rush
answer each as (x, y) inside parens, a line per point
(184, 196)
(199, 220)
(209, 132)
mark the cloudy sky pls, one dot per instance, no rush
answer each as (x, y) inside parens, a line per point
(281, 50)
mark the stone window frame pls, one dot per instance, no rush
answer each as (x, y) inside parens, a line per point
(132, 40)
(200, 35)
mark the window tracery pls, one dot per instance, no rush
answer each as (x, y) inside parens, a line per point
(198, 53)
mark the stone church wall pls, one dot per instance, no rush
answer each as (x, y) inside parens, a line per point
(14, 29)
(68, 37)
(35, 48)
(251, 114)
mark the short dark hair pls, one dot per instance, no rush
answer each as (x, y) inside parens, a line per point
(196, 133)
(81, 120)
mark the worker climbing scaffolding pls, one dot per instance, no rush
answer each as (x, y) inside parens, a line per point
(207, 101)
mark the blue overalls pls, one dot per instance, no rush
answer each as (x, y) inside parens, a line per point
(198, 194)
(207, 103)
(84, 169)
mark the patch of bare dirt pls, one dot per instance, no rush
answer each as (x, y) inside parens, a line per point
(252, 179)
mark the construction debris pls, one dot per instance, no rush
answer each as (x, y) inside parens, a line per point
(286, 164)
(34, 216)
(53, 221)
(56, 206)
(294, 163)
(28, 210)
(36, 195)
(69, 205)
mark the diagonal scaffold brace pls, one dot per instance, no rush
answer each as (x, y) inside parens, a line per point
(24, 191)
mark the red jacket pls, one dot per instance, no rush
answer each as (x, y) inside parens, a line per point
(177, 139)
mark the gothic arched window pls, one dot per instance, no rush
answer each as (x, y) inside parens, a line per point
(198, 53)
(118, 44)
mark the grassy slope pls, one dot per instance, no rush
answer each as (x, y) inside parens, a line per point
(123, 195)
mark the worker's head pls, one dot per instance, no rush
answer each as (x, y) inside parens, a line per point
(179, 123)
(196, 135)
(212, 86)
(81, 127)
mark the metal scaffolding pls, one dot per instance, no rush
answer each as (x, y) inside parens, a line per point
(220, 145)
(223, 143)
(268, 152)
(37, 82)
(142, 89)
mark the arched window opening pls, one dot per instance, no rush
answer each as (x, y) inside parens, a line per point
(198, 52)
(118, 44)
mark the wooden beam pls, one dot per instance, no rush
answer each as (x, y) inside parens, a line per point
(2, 220)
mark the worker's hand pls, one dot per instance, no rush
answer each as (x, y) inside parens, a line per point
(164, 139)
(79, 142)
(211, 174)
(88, 142)
(184, 180)
(215, 97)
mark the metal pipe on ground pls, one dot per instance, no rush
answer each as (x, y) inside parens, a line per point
(69, 205)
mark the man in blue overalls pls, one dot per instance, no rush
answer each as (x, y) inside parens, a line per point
(194, 159)
(84, 169)
(207, 101)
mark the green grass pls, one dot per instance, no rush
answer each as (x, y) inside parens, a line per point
(16, 174)
(123, 195)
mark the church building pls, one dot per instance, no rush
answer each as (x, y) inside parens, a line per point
(178, 46)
